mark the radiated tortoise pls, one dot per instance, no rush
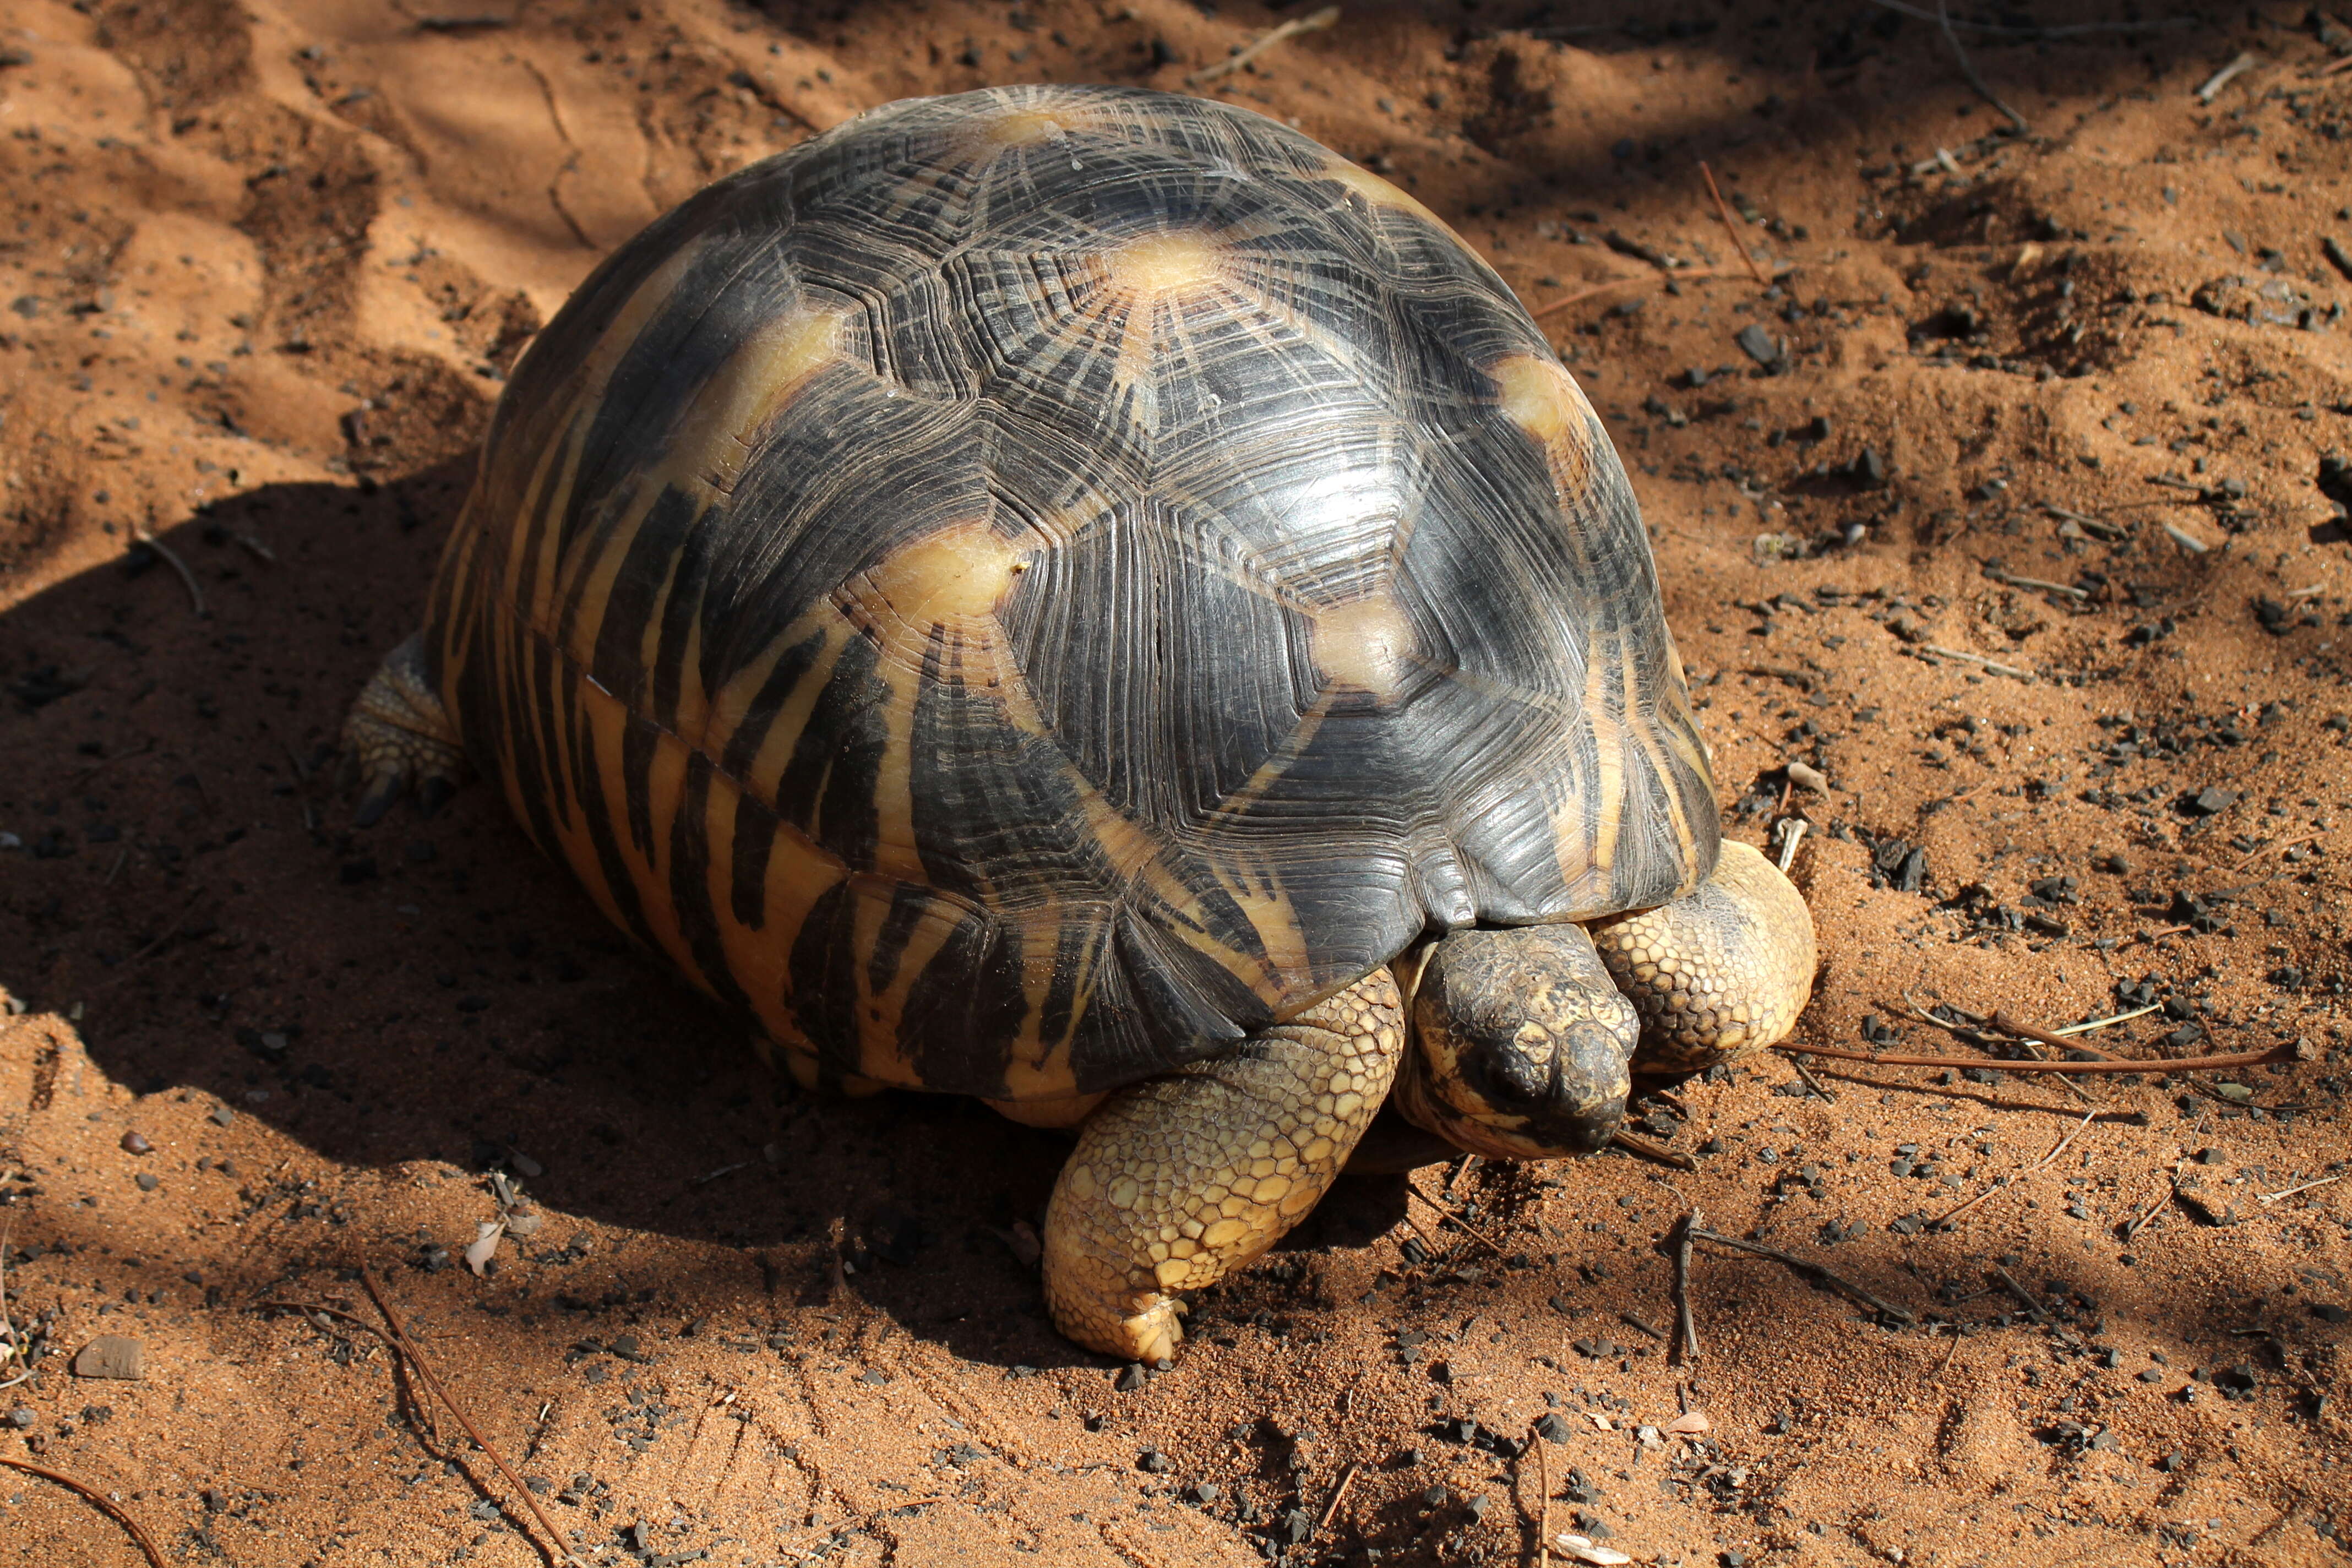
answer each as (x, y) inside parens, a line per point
(1082, 597)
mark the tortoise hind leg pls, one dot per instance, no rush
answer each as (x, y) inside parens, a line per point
(398, 735)
(1180, 1180)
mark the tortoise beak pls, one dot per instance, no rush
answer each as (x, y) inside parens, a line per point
(1575, 1108)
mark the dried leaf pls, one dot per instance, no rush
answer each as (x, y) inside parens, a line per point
(1690, 1424)
(1600, 1422)
(525, 1222)
(1584, 1551)
(486, 1244)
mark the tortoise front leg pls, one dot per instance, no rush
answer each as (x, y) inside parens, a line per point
(398, 734)
(1718, 974)
(1177, 1181)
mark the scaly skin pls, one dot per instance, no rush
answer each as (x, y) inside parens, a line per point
(398, 735)
(1180, 1180)
(1717, 975)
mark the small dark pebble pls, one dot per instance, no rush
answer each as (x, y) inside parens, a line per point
(133, 1143)
(1156, 1462)
(2211, 802)
(1758, 345)
(1130, 1377)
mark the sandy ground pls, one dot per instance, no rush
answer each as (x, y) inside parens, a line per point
(264, 264)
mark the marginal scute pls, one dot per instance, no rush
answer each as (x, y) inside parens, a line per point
(1381, 193)
(1544, 400)
(999, 133)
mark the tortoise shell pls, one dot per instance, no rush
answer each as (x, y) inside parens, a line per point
(1029, 586)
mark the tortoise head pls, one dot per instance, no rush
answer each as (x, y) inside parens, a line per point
(1522, 1044)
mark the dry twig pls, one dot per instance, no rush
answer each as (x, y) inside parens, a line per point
(1974, 1028)
(2057, 1149)
(1462, 1167)
(96, 1500)
(1338, 1496)
(1438, 1250)
(1607, 284)
(2225, 76)
(1797, 1060)
(2290, 1191)
(2073, 1029)
(2040, 584)
(2185, 540)
(1686, 1348)
(1806, 1266)
(1723, 212)
(1997, 1102)
(2009, 1023)
(1455, 1218)
(172, 558)
(1636, 1321)
(407, 1346)
(2021, 1293)
(2286, 1052)
(1634, 1144)
(2274, 848)
(317, 1313)
(2097, 525)
(2150, 1211)
(1543, 1494)
(2069, 30)
(1978, 659)
(1314, 21)
(1968, 70)
(11, 1343)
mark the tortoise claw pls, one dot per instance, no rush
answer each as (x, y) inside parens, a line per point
(381, 791)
